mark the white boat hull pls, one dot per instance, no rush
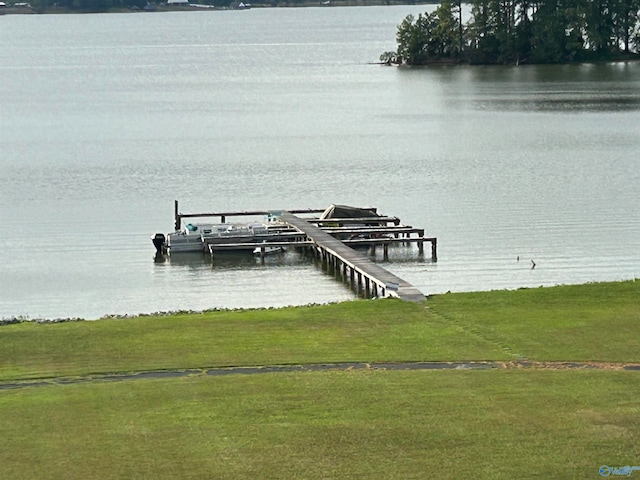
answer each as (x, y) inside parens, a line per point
(267, 250)
(196, 237)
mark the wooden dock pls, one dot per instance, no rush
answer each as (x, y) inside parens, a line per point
(363, 274)
(329, 240)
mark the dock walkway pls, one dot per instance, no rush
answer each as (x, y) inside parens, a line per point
(366, 274)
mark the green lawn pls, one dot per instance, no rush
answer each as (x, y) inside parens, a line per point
(598, 321)
(381, 330)
(372, 424)
(595, 322)
(496, 424)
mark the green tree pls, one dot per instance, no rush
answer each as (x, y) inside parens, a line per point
(598, 25)
(445, 37)
(552, 33)
(428, 38)
(625, 22)
(412, 37)
(519, 31)
(493, 30)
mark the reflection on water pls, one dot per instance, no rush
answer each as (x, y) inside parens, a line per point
(543, 88)
(234, 260)
(241, 260)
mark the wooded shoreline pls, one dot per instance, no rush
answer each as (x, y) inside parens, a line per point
(515, 33)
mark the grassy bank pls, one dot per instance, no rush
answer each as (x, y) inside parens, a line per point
(354, 331)
(596, 322)
(374, 424)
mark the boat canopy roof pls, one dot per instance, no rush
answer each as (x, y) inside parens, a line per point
(345, 211)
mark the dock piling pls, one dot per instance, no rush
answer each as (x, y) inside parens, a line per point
(366, 277)
(176, 216)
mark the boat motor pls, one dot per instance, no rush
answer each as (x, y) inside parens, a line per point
(159, 241)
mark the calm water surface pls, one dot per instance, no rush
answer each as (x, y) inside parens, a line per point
(106, 119)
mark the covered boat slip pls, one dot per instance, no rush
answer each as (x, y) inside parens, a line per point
(329, 238)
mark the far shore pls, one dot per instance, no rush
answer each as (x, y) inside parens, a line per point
(28, 10)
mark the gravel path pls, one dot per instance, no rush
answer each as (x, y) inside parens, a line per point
(117, 377)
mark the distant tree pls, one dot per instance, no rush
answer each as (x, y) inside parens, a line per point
(431, 37)
(599, 25)
(520, 31)
(556, 33)
(389, 58)
(446, 36)
(412, 38)
(493, 30)
(626, 15)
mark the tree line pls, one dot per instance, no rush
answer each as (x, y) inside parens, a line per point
(519, 31)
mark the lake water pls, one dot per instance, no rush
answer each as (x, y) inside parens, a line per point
(106, 119)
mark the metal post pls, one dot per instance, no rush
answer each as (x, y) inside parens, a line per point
(176, 216)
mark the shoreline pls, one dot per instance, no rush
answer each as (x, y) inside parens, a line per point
(19, 319)
(154, 8)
